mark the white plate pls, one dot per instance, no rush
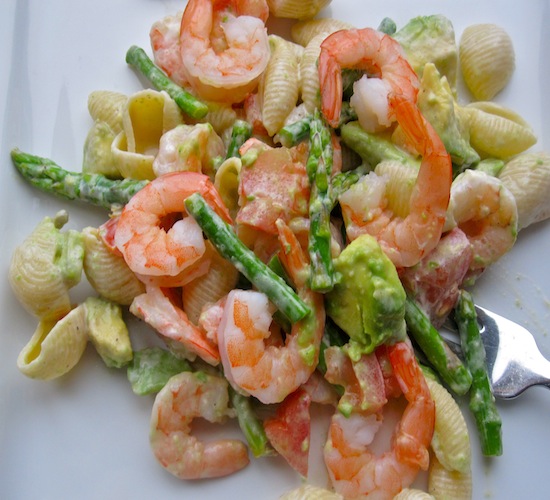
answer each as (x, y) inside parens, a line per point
(86, 435)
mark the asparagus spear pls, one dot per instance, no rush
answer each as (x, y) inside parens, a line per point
(482, 401)
(190, 105)
(342, 181)
(240, 133)
(319, 170)
(445, 362)
(92, 188)
(230, 247)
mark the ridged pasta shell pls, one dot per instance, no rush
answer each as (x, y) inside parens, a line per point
(309, 73)
(220, 116)
(413, 494)
(108, 332)
(527, 176)
(303, 31)
(443, 483)
(190, 148)
(45, 266)
(279, 87)
(98, 157)
(147, 116)
(296, 9)
(487, 59)
(497, 131)
(401, 180)
(227, 183)
(450, 441)
(310, 492)
(56, 346)
(108, 272)
(220, 279)
(107, 106)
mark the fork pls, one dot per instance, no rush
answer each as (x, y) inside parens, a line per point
(514, 362)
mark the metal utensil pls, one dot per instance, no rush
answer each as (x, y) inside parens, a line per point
(514, 361)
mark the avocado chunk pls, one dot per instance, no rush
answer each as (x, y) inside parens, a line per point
(368, 300)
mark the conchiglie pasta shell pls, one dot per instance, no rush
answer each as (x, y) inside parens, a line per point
(487, 59)
(401, 180)
(443, 483)
(220, 279)
(499, 133)
(310, 492)
(413, 494)
(37, 280)
(108, 272)
(107, 106)
(220, 116)
(98, 157)
(309, 73)
(227, 183)
(303, 31)
(450, 441)
(56, 346)
(527, 176)
(279, 86)
(296, 9)
(131, 165)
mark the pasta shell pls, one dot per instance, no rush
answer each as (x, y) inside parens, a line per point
(108, 332)
(401, 180)
(413, 494)
(56, 346)
(279, 86)
(45, 266)
(147, 116)
(108, 272)
(309, 73)
(220, 279)
(497, 131)
(451, 441)
(443, 483)
(303, 31)
(487, 59)
(98, 158)
(310, 492)
(107, 106)
(220, 116)
(296, 9)
(527, 176)
(227, 183)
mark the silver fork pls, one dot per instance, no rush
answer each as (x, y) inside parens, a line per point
(514, 361)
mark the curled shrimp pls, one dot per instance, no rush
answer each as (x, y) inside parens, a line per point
(224, 47)
(404, 239)
(187, 396)
(485, 210)
(271, 372)
(147, 247)
(355, 470)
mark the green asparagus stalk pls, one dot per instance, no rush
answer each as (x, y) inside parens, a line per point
(240, 133)
(294, 133)
(230, 247)
(250, 424)
(189, 104)
(319, 169)
(445, 362)
(482, 402)
(342, 181)
(92, 188)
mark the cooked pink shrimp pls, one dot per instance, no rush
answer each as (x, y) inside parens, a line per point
(187, 396)
(404, 239)
(354, 470)
(224, 47)
(147, 247)
(271, 372)
(156, 308)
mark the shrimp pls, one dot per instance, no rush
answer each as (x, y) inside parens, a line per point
(404, 239)
(224, 47)
(149, 249)
(485, 210)
(185, 397)
(271, 372)
(354, 470)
